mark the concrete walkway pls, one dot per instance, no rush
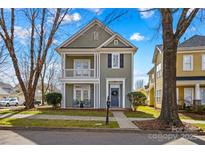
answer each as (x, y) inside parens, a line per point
(55, 117)
(123, 121)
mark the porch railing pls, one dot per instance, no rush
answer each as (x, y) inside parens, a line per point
(79, 73)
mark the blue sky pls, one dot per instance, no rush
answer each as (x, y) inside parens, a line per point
(140, 28)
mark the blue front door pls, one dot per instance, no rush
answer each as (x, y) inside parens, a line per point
(114, 97)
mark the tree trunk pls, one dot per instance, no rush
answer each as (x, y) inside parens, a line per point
(169, 110)
(42, 92)
(29, 98)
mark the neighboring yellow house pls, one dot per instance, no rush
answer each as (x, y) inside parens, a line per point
(190, 74)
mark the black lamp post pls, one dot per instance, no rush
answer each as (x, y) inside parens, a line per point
(108, 106)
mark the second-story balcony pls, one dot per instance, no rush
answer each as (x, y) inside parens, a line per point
(76, 66)
(80, 73)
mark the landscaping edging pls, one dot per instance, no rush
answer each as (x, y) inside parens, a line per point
(103, 130)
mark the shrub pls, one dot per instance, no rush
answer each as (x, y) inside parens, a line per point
(53, 98)
(137, 98)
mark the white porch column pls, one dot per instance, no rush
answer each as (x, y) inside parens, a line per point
(94, 64)
(63, 90)
(197, 92)
(94, 96)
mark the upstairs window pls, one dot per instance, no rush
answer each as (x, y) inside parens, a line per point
(203, 62)
(115, 60)
(187, 62)
(158, 96)
(159, 70)
(95, 35)
(115, 42)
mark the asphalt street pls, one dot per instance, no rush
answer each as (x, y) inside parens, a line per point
(94, 138)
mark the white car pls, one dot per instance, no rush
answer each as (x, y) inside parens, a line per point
(9, 102)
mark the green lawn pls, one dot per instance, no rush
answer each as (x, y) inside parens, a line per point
(50, 111)
(150, 112)
(143, 112)
(56, 123)
(202, 126)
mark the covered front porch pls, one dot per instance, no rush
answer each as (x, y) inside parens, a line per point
(190, 94)
(80, 95)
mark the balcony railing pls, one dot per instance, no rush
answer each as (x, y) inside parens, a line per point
(79, 73)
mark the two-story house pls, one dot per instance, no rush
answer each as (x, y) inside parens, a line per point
(96, 63)
(190, 73)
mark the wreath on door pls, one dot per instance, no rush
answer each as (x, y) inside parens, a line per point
(114, 93)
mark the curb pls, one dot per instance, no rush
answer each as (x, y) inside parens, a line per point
(103, 130)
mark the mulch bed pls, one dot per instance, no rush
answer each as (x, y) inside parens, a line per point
(159, 125)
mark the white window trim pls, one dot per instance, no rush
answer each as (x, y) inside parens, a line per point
(159, 71)
(81, 60)
(116, 42)
(192, 93)
(203, 62)
(185, 69)
(160, 97)
(82, 87)
(118, 66)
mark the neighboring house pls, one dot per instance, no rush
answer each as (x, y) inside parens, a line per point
(96, 63)
(5, 90)
(190, 73)
(150, 87)
(38, 93)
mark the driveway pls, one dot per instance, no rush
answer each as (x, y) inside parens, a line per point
(92, 138)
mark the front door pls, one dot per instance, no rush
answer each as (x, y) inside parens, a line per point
(115, 97)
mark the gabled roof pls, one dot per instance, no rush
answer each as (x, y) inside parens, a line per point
(158, 48)
(151, 71)
(194, 41)
(88, 26)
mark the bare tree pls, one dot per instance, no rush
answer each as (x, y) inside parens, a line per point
(3, 57)
(49, 75)
(39, 44)
(169, 111)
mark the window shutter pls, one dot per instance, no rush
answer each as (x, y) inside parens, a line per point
(121, 60)
(109, 60)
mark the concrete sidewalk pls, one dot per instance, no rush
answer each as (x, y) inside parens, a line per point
(123, 121)
(55, 117)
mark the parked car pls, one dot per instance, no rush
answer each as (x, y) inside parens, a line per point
(9, 102)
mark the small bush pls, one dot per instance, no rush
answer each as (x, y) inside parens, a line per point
(137, 98)
(53, 98)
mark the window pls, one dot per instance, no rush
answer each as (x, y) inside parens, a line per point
(203, 62)
(115, 60)
(115, 42)
(95, 35)
(203, 96)
(82, 92)
(81, 67)
(158, 96)
(159, 70)
(187, 62)
(188, 95)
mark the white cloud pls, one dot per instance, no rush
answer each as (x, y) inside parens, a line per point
(97, 11)
(137, 37)
(22, 34)
(68, 18)
(146, 14)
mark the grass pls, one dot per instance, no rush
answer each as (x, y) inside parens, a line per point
(202, 126)
(150, 112)
(68, 112)
(143, 112)
(56, 123)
